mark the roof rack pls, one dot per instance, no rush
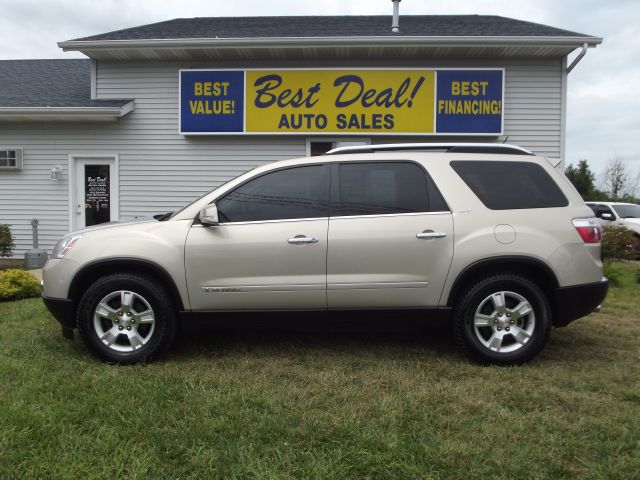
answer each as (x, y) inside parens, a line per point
(495, 148)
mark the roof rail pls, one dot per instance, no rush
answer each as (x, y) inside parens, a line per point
(495, 148)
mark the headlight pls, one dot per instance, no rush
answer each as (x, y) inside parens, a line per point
(64, 245)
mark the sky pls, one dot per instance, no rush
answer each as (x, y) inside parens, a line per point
(603, 90)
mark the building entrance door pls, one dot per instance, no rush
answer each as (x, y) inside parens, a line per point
(96, 196)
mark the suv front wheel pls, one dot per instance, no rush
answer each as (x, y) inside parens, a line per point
(504, 319)
(126, 318)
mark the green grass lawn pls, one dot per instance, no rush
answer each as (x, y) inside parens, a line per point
(323, 404)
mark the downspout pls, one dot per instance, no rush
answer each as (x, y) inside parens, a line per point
(564, 74)
(563, 104)
(94, 78)
(576, 60)
(395, 25)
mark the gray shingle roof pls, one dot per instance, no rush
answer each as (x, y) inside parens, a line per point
(335, 26)
(49, 83)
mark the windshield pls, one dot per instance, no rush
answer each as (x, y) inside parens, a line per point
(173, 214)
(627, 211)
(201, 196)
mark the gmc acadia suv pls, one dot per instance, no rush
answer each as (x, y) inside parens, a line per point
(489, 236)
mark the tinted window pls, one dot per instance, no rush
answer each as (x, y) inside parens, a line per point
(384, 188)
(510, 185)
(627, 211)
(292, 193)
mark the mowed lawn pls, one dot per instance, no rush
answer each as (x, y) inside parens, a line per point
(323, 403)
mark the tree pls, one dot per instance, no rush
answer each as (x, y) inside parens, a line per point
(615, 178)
(6, 241)
(632, 188)
(582, 178)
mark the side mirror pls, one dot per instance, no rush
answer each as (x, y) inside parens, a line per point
(606, 216)
(209, 215)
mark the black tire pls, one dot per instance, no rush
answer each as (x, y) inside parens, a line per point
(122, 298)
(510, 336)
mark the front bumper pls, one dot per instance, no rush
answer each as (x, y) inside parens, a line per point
(62, 310)
(578, 301)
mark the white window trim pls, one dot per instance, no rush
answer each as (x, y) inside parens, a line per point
(19, 159)
(339, 141)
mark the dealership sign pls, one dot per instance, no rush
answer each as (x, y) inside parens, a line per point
(328, 101)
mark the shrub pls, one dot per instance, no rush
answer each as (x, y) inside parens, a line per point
(6, 241)
(16, 284)
(614, 273)
(618, 243)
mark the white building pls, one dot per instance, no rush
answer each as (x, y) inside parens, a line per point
(160, 114)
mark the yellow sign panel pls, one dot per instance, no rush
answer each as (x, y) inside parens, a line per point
(340, 101)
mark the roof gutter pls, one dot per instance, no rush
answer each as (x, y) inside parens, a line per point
(45, 112)
(305, 42)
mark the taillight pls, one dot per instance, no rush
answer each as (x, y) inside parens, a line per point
(589, 229)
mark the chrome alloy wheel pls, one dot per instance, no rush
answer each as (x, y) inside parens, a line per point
(124, 321)
(504, 322)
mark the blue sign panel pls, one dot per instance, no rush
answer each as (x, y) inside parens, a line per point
(469, 101)
(211, 101)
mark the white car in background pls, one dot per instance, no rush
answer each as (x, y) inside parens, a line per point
(617, 214)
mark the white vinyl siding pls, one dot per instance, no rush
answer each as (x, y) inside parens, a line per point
(161, 170)
(533, 107)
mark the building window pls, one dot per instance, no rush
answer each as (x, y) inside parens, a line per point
(320, 146)
(10, 158)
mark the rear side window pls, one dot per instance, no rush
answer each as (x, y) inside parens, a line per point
(379, 188)
(510, 185)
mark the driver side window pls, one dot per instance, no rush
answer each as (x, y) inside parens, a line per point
(299, 192)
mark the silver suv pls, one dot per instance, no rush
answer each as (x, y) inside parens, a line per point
(488, 236)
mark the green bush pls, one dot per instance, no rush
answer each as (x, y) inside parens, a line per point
(16, 284)
(618, 243)
(614, 273)
(6, 241)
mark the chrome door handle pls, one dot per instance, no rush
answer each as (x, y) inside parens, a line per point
(300, 239)
(431, 234)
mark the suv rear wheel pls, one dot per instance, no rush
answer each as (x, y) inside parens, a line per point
(126, 318)
(504, 319)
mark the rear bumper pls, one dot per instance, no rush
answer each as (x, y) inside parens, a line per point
(578, 301)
